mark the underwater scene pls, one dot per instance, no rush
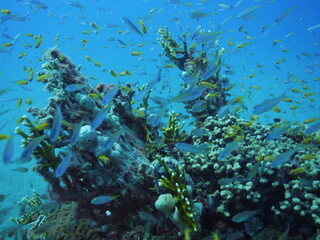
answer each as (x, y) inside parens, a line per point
(159, 120)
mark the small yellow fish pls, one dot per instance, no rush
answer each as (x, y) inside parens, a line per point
(228, 88)
(5, 11)
(211, 95)
(308, 157)
(31, 75)
(287, 100)
(98, 64)
(193, 46)
(308, 94)
(139, 113)
(3, 136)
(65, 123)
(248, 37)
(285, 50)
(39, 42)
(307, 140)
(19, 102)
(43, 126)
(141, 44)
(93, 95)
(241, 45)
(251, 75)
(298, 170)
(292, 107)
(295, 90)
(56, 38)
(6, 44)
(170, 66)
(275, 42)
(20, 119)
(29, 34)
(95, 26)
(276, 109)
(104, 159)
(269, 158)
(238, 100)
(136, 53)
(84, 41)
(152, 10)
(316, 79)
(254, 117)
(207, 84)
(22, 54)
(22, 82)
(29, 69)
(85, 32)
(88, 58)
(93, 77)
(113, 73)
(42, 77)
(125, 89)
(125, 73)
(28, 101)
(310, 120)
(143, 26)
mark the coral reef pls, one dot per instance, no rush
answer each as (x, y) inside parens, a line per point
(200, 68)
(113, 164)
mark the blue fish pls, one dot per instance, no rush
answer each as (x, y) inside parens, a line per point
(268, 104)
(131, 25)
(138, 97)
(112, 139)
(212, 68)
(75, 4)
(56, 125)
(75, 87)
(155, 119)
(103, 199)
(110, 95)
(100, 116)
(191, 148)
(189, 95)
(75, 134)
(244, 216)
(277, 131)
(8, 151)
(63, 166)
(313, 128)
(281, 158)
(26, 154)
(229, 148)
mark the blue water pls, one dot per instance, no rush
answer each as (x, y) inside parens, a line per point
(66, 24)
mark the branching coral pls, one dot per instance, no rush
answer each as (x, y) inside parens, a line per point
(172, 132)
(184, 216)
(34, 213)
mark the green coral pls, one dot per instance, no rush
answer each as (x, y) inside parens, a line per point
(171, 48)
(172, 133)
(176, 185)
(44, 150)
